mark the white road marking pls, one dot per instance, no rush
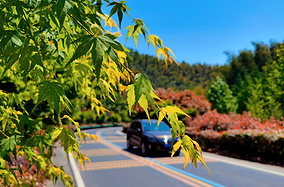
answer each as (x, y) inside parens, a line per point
(78, 178)
(120, 133)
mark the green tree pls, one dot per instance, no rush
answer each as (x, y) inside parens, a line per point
(275, 77)
(52, 51)
(247, 62)
(242, 88)
(262, 55)
(255, 101)
(272, 92)
(266, 94)
(221, 97)
(261, 101)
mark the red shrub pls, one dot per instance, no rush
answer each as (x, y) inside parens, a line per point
(30, 175)
(239, 135)
(223, 122)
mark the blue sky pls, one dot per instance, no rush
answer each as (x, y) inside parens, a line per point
(201, 30)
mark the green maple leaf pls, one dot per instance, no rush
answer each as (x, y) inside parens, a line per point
(9, 144)
(53, 92)
(142, 85)
(141, 92)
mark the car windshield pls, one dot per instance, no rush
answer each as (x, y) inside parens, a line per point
(153, 127)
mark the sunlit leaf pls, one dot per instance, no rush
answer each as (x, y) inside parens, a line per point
(16, 40)
(155, 96)
(142, 85)
(174, 109)
(56, 133)
(186, 156)
(130, 97)
(129, 32)
(135, 37)
(2, 163)
(201, 160)
(197, 146)
(181, 128)
(162, 115)
(144, 104)
(176, 146)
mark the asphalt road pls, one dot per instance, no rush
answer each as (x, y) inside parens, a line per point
(112, 165)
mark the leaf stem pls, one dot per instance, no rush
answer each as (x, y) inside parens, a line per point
(90, 33)
(131, 16)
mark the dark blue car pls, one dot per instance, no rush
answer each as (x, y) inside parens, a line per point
(150, 138)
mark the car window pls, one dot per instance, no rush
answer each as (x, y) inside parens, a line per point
(139, 126)
(135, 125)
(132, 126)
(153, 127)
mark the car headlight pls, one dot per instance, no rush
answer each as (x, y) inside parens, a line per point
(152, 139)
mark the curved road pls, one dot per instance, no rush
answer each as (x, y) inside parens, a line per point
(112, 165)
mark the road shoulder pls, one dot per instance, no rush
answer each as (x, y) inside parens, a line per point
(60, 159)
(277, 170)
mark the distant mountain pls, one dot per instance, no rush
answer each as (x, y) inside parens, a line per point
(184, 76)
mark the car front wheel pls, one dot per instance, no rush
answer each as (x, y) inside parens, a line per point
(144, 149)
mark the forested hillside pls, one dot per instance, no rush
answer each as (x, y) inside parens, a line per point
(195, 77)
(253, 78)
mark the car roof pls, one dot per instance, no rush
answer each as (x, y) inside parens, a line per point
(147, 120)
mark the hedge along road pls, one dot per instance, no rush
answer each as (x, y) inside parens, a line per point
(112, 165)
